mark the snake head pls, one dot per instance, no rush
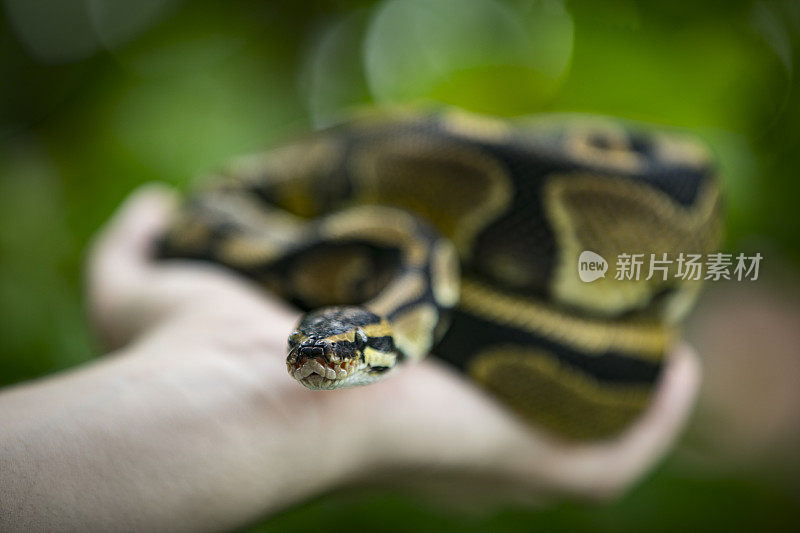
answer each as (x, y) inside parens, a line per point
(339, 347)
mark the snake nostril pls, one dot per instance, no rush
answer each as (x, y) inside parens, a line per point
(311, 352)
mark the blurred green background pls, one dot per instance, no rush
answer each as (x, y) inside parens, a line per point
(98, 96)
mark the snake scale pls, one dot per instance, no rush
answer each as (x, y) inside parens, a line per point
(409, 232)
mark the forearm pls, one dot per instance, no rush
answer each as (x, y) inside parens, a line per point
(200, 439)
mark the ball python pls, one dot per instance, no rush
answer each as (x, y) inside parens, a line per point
(408, 232)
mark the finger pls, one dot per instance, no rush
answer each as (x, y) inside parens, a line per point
(603, 471)
(120, 257)
(119, 264)
(430, 417)
(121, 254)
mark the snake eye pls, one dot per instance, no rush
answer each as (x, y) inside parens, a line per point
(361, 338)
(294, 338)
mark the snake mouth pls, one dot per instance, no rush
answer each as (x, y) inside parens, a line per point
(318, 373)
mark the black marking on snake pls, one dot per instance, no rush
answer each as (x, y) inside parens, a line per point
(469, 334)
(384, 344)
(347, 349)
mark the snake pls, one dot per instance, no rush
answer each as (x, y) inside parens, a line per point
(405, 232)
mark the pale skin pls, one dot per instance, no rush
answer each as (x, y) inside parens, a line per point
(192, 422)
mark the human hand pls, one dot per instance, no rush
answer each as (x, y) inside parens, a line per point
(424, 422)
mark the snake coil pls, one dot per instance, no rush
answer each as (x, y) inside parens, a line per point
(407, 232)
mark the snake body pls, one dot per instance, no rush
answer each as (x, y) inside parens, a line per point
(408, 232)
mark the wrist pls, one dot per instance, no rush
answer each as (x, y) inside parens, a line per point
(231, 371)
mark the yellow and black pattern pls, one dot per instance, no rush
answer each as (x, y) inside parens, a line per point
(393, 230)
